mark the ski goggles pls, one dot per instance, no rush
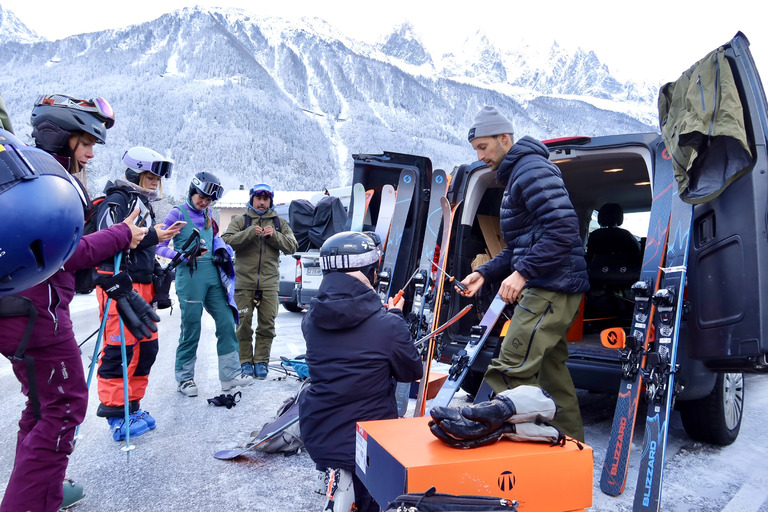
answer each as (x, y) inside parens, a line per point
(262, 190)
(98, 106)
(209, 189)
(162, 168)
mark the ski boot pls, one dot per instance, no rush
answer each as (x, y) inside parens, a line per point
(137, 426)
(260, 371)
(73, 494)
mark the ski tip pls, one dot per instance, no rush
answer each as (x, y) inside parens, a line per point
(614, 338)
(610, 484)
(228, 454)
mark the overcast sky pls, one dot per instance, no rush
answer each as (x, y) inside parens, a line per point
(652, 39)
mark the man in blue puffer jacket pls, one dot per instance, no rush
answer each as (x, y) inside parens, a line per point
(542, 268)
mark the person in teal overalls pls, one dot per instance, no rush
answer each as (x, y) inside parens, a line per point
(199, 284)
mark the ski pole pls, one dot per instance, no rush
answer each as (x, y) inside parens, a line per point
(86, 339)
(97, 345)
(458, 284)
(124, 357)
(443, 327)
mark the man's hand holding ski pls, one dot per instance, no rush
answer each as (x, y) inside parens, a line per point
(137, 315)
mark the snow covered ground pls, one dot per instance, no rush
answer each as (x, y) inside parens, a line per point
(172, 467)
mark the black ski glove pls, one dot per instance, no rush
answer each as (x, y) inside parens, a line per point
(519, 405)
(219, 257)
(161, 280)
(529, 431)
(137, 315)
(486, 417)
(485, 439)
(228, 401)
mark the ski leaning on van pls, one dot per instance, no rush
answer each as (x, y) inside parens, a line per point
(632, 348)
(406, 185)
(429, 352)
(661, 358)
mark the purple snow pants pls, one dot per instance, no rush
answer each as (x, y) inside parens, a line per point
(43, 446)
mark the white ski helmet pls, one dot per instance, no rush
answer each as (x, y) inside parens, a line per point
(351, 250)
(140, 159)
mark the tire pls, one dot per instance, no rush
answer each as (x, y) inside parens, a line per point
(716, 418)
(292, 307)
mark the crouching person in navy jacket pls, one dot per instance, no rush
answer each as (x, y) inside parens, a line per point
(355, 347)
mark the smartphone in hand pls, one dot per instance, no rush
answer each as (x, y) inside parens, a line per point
(178, 224)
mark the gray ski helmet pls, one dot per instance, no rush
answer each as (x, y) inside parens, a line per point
(206, 184)
(139, 160)
(349, 251)
(35, 241)
(56, 116)
(262, 189)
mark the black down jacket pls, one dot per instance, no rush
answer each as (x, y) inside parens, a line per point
(354, 349)
(538, 223)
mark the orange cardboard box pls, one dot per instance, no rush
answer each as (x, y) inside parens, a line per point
(397, 456)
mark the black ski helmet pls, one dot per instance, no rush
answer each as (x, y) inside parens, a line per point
(35, 241)
(349, 251)
(206, 184)
(56, 116)
(262, 189)
(139, 160)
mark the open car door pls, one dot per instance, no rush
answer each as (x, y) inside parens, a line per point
(728, 264)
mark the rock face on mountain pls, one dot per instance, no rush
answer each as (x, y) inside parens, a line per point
(257, 99)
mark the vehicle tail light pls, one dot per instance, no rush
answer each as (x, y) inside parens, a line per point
(297, 279)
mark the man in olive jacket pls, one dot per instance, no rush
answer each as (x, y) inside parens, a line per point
(257, 238)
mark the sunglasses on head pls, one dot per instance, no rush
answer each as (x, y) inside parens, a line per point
(98, 106)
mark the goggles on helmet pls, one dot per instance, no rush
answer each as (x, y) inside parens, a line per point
(98, 106)
(162, 168)
(262, 190)
(211, 190)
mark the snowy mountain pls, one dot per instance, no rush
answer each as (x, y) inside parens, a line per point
(258, 99)
(12, 29)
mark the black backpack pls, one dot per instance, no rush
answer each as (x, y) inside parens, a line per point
(85, 278)
(247, 222)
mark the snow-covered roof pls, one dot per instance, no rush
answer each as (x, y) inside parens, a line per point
(239, 198)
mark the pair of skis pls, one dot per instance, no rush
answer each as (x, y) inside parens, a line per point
(658, 303)
(632, 349)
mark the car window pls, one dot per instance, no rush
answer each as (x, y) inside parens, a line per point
(634, 222)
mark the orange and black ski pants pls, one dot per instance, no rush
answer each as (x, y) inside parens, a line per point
(140, 355)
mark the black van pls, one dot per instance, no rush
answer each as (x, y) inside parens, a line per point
(724, 333)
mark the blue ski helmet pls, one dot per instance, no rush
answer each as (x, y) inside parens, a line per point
(206, 184)
(36, 236)
(262, 189)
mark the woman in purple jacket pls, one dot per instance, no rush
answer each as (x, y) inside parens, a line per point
(207, 289)
(40, 250)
